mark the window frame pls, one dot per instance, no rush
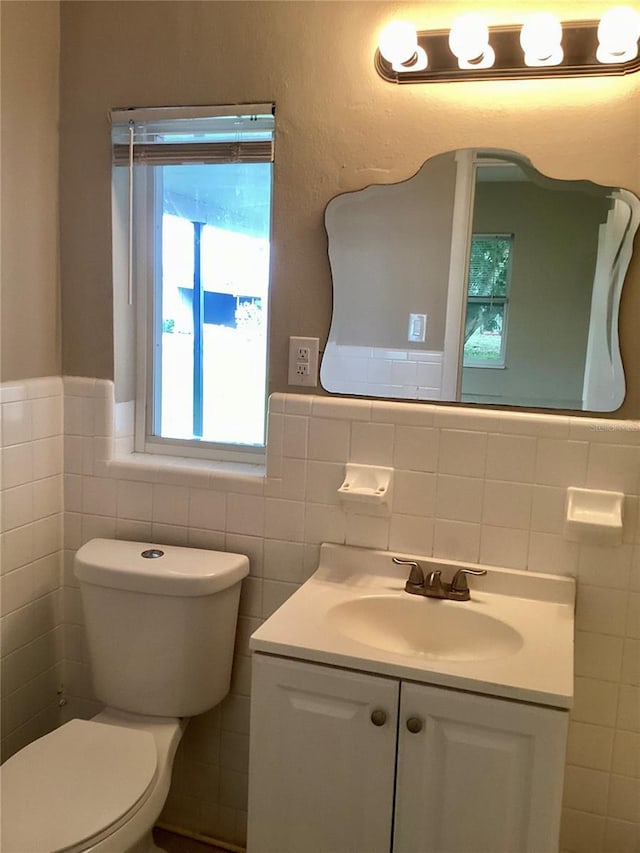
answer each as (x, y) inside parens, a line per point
(500, 363)
(147, 298)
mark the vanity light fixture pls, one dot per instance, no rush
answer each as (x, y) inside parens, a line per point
(541, 46)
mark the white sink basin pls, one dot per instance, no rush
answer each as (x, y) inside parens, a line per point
(424, 626)
(513, 639)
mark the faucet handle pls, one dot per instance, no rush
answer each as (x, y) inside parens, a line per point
(416, 575)
(459, 583)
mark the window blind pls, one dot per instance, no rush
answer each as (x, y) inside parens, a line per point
(183, 135)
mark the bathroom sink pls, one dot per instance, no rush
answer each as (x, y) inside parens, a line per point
(512, 639)
(422, 626)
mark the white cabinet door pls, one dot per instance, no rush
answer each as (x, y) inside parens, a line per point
(482, 775)
(321, 773)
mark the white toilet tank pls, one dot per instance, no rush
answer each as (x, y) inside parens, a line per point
(160, 623)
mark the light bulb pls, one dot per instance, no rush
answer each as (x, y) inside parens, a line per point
(469, 42)
(541, 40)
(618, 33)
(398, 42)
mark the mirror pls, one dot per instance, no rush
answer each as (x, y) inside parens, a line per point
(480, 280)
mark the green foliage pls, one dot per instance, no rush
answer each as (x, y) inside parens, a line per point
(489, 265)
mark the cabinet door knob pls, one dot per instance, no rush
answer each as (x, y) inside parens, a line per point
(378, 717)
(414, 724)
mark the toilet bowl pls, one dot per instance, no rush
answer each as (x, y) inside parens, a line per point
(161, 631)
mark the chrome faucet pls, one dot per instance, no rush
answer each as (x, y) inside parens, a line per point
(432, 585)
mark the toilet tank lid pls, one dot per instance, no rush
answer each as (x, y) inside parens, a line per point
(165, 570)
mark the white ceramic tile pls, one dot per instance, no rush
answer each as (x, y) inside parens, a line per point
(626, 754)
(250, 546)
(604, 430)
(170, 504)
(548, 509)
(622, 836)
(17, 588)
(274, 594)
(284, 519)
(73, 450)
(590, 746)
(245, 514)
(614, 467)
(552, 554)
(12, 392)
(586, 789)
(633, 615)
(329, 440)
(456, 540)
(17, 506)
(631, 662)
(134, 500)
(629, 708)
(103, 416)
(605, 566)
(624, 798)
(459, 498)
(594, 701)
(462, 452)
(295, 436)
(411, 534)
(79, 386)
(511, 457)
(276, 402)
(414, 493)
(405, 414)
(283, 561)
(297, 404)
(598, 655)
(170, 534)
(324, 523)
(47, 457)
(293, 481)
(15, 423)
(323, 481)
(478, 420)
(372, 443)
(99, 496)
(97, 527)
(561, 463)
(47, 496)
(16, 464)
(72, 530)
(73, 415)
(601, 611)
(341, 408)
(416, 448)
(207, 509)
(210, 540)
(46, 417)
(507, 504)
(500, 546)
(17, 547)
(133, 531)
(367, 531)
(526, 423)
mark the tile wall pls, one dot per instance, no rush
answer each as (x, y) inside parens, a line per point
(469, 485)
(31, 427)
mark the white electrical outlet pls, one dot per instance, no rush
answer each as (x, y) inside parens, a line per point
(303, 361)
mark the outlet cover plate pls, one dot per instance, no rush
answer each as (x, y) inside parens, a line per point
(297, 359)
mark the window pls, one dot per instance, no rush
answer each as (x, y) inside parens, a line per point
(199, 189)
(485, 331)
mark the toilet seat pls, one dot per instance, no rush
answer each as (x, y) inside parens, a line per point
(53, 799)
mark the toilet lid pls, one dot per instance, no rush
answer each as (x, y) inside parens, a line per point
(72, 784)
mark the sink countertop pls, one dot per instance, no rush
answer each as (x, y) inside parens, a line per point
(539, 607)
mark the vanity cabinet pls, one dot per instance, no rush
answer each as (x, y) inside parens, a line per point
(348, 762)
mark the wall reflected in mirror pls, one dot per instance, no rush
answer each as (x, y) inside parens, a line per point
(480, 280)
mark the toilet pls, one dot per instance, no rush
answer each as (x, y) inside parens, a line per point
(160, 624)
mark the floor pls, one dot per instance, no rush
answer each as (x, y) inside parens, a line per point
(173, 843)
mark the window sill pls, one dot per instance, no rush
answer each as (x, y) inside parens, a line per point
(181, 471)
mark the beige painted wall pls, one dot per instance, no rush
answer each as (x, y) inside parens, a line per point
(339, 127)
(389, 248)
(29, 280)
